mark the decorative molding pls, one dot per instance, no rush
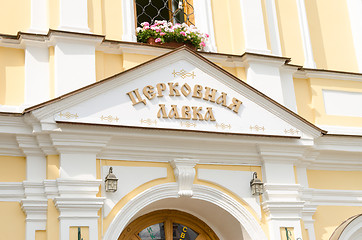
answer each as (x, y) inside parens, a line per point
(109, 118)
(291, 131)
(257, 128)
(223, 126)
(68, 115)
(184, 169)
(148, 121)
(11, 191)
(188, 124)
(182, 73)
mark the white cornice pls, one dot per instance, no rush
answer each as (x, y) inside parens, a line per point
(332, 197)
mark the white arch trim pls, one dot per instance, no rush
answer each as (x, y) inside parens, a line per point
(353, 230)
(170, 190)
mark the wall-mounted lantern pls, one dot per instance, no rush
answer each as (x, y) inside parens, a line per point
(257, 186)
(111, 181)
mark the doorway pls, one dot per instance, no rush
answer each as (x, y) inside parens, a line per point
(168, 225)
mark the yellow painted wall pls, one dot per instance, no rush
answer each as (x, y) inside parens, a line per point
(317, 86)
(328, 218)
(331, 35)
(12, 78)
(111, 19)
(95, 10)
(53, 14)
(52, 221)
(108, 65)
(40, 235)
(52, 167)
(131, 60)
(339, 180)
(14, 16)
(12, 169)
(289, 30)
(12, 221)
(303, 97)
(228, 26)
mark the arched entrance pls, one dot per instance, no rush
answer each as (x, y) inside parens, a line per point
(168, 225)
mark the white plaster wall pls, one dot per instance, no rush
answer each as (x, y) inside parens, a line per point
(279, 172)
(342, 103)
(39, 16)
(82, 165)
(74, 66)
(237, 182)
(129, 178)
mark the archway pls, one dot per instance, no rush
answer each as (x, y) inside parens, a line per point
(168, 225)
(251, 228)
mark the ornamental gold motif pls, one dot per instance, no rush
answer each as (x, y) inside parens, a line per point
(148, 121)
(109, 118)
(257, 128)
(187, 124)
(68, 115)
(291, 131)
(182, 73)
(223, 126)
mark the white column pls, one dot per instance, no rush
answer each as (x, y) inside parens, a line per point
(253, 23)
(204, 22)
(39, 16)
(128, 21)
(304, 28)
(355, 16)
(37, 88)
(73, 15)
(286, 78)
(273, 28)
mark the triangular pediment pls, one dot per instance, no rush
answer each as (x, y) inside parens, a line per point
(180, 90)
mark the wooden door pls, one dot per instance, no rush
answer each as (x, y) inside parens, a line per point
(168, 225)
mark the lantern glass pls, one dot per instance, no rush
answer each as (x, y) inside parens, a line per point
(257, 186)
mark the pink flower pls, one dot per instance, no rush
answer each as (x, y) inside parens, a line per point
(207, 35)
(158, 30)
(202, 44)
(145, 24)
(146, 27)
(162, 34)
(158, 40)
(183, 33)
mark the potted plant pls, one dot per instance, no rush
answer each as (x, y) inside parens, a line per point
(166, 34)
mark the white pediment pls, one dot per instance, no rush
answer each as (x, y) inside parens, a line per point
(143, 97)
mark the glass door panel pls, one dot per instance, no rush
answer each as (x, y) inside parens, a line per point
(154, 232)
(182, 232)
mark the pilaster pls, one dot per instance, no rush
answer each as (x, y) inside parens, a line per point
(39, 17)
(204, 22)
(73, 15)
(304, 28)
(281, 198)
(128, 23)
(253, 25)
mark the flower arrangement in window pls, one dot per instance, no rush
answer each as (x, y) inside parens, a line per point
(162, 32)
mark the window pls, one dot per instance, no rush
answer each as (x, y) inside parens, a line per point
(168, 225)
(175, 11)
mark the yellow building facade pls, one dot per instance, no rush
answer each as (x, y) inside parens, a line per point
(276, 94)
